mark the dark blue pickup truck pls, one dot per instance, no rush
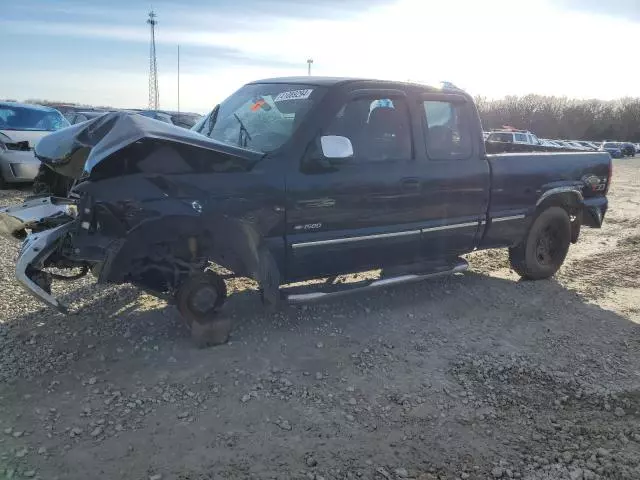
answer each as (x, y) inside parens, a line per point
(292, 179)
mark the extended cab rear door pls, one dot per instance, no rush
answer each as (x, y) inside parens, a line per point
(455, 176)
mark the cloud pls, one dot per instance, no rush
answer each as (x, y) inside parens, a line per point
(629, 9)
(196, 12)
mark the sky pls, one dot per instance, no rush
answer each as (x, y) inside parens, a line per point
(97, 52)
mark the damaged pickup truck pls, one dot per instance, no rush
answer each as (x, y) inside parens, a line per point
(294, 179)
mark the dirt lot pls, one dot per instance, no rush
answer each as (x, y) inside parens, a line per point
(474, 376)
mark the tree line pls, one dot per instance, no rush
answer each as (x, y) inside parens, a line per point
(564, 118)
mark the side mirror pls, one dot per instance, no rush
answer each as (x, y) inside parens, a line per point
(335, 147)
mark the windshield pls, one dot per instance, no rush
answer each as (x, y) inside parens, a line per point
(35, 119)
(260, 117)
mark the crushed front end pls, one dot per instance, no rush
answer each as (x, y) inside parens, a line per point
(138, 211)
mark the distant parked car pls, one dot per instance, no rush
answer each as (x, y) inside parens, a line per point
(587, 145)
(565, 144)
(628, 150)
(180, 119)
(21, 127)
(614, 149)
(575, 145)
(545, 142)
(83, 116)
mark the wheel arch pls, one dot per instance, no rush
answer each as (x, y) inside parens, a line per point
(230, 243)
(568, 198)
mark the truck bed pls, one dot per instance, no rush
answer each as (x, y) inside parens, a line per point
(519, 182)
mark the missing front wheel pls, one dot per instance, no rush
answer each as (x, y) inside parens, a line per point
(199, 298)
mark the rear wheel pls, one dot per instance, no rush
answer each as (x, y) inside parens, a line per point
(545, 247)
(198, 300)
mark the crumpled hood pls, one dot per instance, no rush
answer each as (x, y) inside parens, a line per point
(33, 137)
(76, 150)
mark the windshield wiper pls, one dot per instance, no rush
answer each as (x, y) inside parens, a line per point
(212, 120)
(242, 141)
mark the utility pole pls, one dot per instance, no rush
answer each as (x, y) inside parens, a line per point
(309, 62)
(154, 95)
(178, 78)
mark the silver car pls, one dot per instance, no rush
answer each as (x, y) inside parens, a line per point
(21, 127)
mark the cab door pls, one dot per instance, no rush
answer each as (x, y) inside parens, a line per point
(456, 176)
(364, 211)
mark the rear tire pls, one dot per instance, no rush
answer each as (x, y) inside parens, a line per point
(545, 247)
(198, 300)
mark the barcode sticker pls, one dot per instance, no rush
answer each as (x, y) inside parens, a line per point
(293, 95)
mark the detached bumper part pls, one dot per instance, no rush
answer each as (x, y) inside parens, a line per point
(36, 248)
(49, 219)
(42, 212)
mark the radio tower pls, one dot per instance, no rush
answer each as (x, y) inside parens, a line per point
(154, 95)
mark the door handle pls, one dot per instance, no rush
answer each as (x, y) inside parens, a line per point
(411, 184)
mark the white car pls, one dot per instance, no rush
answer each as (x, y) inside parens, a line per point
(21, 127)
(521, 137)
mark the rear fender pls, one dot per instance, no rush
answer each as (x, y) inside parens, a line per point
(567, 197)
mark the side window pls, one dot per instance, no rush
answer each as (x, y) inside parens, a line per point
(500, 137)
(379, 129)
(521, 138)
(447, 132)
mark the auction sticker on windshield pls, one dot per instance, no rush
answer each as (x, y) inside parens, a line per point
(293, 95)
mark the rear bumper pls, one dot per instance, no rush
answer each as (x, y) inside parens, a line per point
(594, 211)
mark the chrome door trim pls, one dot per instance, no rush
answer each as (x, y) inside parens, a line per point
(506, 219)
(334, 241)
(451, 226)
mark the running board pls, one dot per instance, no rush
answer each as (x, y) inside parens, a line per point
(295, 295)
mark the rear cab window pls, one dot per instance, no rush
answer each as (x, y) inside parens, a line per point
(447, 130)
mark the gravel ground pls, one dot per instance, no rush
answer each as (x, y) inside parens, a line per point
(474, 376)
